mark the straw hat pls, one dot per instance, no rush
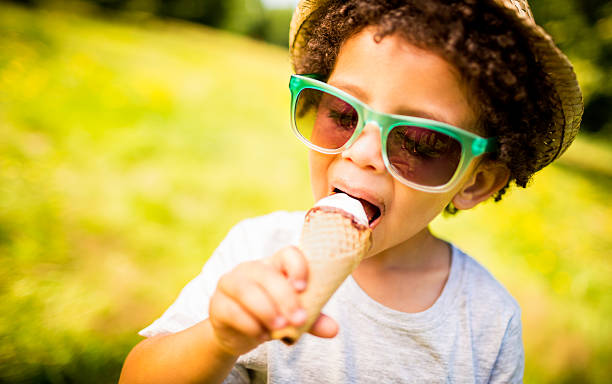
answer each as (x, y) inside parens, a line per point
(567, 100)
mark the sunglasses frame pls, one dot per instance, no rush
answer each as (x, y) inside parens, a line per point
(472, 145)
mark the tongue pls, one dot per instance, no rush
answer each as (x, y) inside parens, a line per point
(370, 209)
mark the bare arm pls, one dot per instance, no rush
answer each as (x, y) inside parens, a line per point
(189, 356)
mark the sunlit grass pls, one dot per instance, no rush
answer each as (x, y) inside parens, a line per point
(128, 151)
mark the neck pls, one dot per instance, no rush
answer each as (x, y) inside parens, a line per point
(408, 277)
(422, 251)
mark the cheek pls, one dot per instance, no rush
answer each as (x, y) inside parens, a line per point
(419, 207)
(319, 167)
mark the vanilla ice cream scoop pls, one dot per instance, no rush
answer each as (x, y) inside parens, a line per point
(346, 203)
(335, 238)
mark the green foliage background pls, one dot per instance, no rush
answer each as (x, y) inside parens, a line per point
(129, 147)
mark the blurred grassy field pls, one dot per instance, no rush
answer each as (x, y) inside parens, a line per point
(128, 148)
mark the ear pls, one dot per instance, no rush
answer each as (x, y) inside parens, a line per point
(488, 178)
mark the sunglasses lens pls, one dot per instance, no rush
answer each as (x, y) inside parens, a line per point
(324, 119)
(422, 155)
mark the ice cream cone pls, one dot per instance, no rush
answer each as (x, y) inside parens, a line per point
(334, 243)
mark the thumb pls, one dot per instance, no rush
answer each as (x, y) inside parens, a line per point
(325, 327)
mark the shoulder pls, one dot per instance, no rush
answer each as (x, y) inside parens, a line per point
(276, 227)
(261, 236)
(250, 239)
(275, 222)
(486, 297)
(494, 322)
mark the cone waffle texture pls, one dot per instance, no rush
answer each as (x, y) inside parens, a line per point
(566, 96)
(334, 244)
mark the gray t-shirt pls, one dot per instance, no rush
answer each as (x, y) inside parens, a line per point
(472, 333)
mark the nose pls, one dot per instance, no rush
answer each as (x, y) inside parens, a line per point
(365, 152)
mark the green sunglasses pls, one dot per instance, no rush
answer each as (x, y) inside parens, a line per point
(423, 154)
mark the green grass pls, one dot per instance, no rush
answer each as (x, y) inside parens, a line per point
(128, 149)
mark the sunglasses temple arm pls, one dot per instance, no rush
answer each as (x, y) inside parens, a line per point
(482, 145)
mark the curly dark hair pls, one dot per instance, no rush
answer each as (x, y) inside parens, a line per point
(510, 92)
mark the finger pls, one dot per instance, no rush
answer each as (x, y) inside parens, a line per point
(292, 262)
(325, 327)
(281, 292)
(230, 317)
(251, 296)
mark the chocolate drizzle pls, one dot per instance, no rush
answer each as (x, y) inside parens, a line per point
(344, 213)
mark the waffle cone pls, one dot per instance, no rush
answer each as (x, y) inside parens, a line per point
(334, 244)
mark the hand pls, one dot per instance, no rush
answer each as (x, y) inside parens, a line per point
(259, 296)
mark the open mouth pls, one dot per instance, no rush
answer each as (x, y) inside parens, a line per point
(372, 211)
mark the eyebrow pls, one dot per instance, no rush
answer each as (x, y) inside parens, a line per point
(352, 89)
(404, 111)
(424, 115)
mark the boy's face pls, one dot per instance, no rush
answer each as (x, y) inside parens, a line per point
(391, 76)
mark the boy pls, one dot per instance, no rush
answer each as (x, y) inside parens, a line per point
(415, 106)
